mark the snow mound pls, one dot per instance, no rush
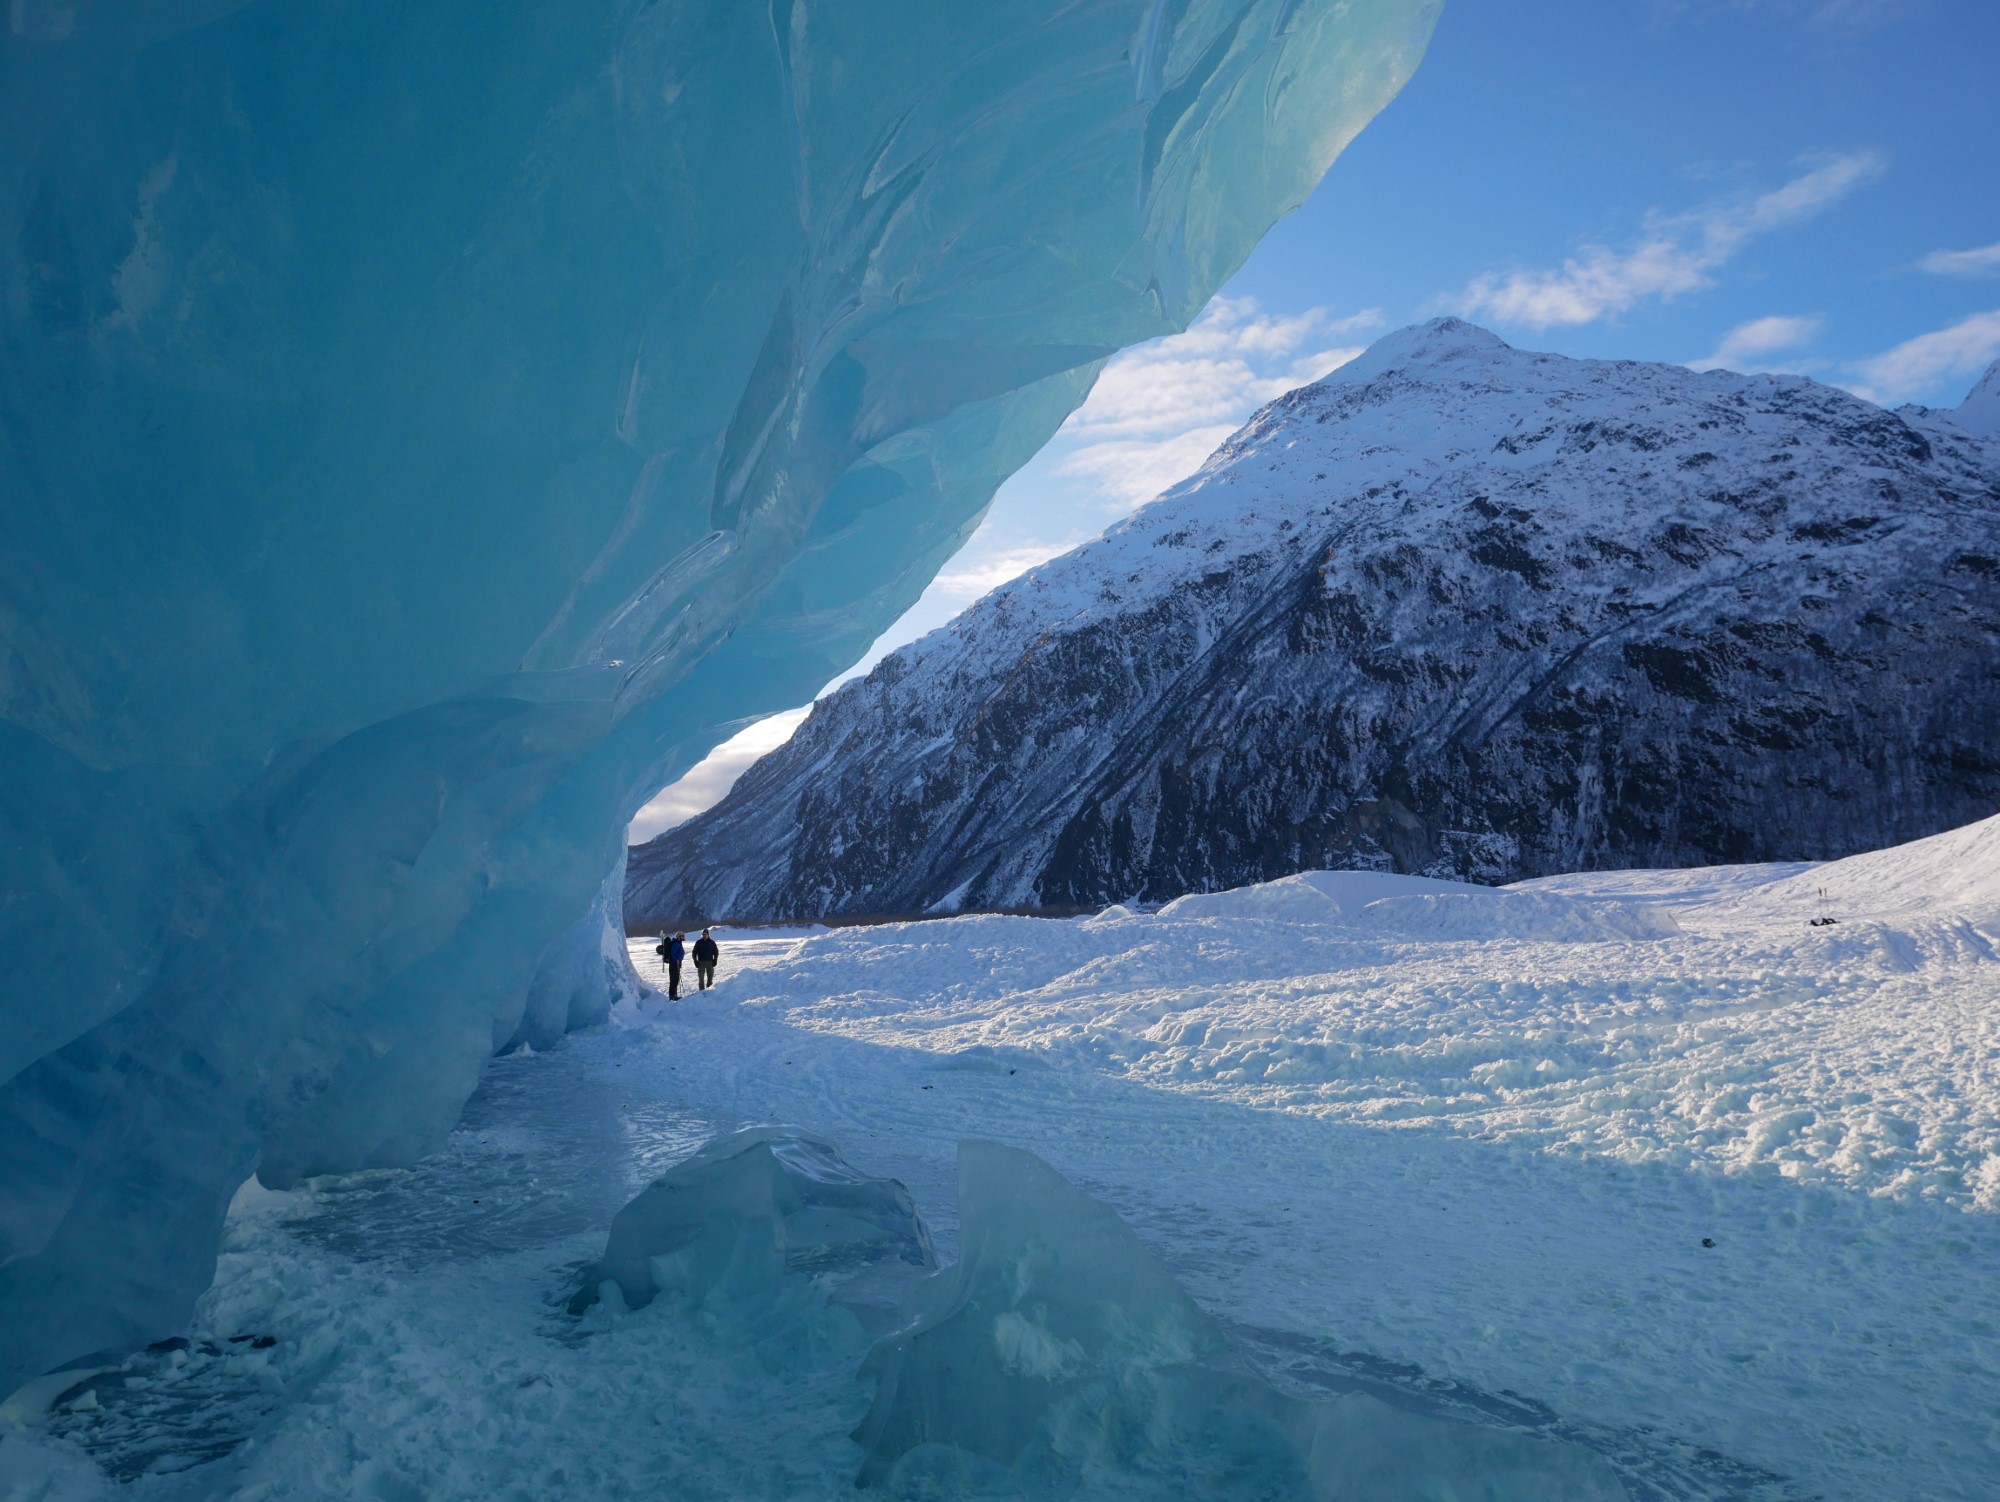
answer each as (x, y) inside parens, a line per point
(1310, 896)
(1954, 873)
(1543, 916)
(1418, 907)
(1059, 1356)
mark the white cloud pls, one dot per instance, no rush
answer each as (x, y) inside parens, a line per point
(1128, 472)
(1918, 367)
(714, 775)
(973, 574)
(1985, 261)
(1745, 347)
(1676, 254)
(1158, 410)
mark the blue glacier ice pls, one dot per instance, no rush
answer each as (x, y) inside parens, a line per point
(731, 1221)
(1057, 1354)
(426, 429)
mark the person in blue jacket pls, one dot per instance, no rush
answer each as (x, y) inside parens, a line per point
(673, 951)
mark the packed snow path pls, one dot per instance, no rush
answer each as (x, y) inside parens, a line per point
(1720, 1202)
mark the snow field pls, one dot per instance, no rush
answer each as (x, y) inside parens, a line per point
(1720, 1204)
(1497, 1159)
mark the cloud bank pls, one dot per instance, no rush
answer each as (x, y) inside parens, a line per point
(1160, 409)
(711, 778)
(1675, 254)
(1919, 367)
(1748, 346)
(1984, 261)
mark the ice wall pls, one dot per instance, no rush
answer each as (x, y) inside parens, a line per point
(427, 429)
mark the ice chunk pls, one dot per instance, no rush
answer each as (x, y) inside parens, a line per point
(1057, 1351)
(726, 1225)
(434, 427)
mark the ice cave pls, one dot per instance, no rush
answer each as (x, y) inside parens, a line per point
(401, 400)
(427, 430)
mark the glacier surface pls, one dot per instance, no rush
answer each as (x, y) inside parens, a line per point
(431, 428)
(1477, 1178)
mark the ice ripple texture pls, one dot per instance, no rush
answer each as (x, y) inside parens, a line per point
(430, 428)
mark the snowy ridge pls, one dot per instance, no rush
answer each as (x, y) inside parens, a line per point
(1459, 610)
(1978, 414)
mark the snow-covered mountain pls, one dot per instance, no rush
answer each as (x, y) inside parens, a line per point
(1978, 414)
(1457, 609)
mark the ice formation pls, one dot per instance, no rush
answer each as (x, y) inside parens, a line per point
(728, 1222)
(1057, 1350)
(430, 429)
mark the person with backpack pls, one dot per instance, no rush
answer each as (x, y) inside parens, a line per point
(706, 953)
(673, 951)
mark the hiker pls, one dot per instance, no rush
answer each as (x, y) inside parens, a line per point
(676, 949)
(706, 953)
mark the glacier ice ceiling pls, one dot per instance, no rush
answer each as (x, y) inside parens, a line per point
(425, 430)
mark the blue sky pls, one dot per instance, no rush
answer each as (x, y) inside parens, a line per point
(1799, 185)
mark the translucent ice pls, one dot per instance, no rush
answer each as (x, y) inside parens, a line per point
(725, 1225)
(429, 428)
(1057, 1351)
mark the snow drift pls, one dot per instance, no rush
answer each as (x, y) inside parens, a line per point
(1954, 873)
(1387, 905)
(433, 427)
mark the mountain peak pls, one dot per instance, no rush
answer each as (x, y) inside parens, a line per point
(1433, 343)
(1477, 612)
(1980, 411)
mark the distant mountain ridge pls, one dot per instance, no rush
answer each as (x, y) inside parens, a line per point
(1457, 609)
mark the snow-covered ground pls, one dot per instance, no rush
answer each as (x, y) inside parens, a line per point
(1640, 1159)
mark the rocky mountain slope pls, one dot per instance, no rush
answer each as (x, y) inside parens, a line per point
(1457, 609)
